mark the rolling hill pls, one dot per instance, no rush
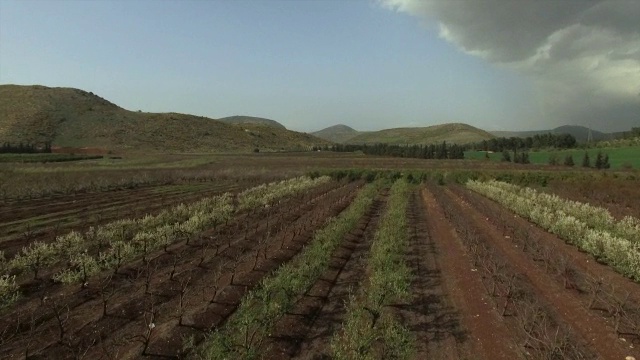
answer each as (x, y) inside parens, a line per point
(336, 133)
(69, 117)
(581, 133)
(451, 133)
(251, 120)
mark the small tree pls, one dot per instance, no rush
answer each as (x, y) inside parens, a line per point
(506, 156)
(585, 160)
(521, 158)
(568, 160)
(599, 161)
(553, 159)
(605, 162)
(34, 257)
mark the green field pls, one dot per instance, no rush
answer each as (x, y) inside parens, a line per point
(621, 157)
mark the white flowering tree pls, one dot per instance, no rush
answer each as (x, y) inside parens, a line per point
(588, 227)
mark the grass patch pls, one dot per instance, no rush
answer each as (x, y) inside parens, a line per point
(619, 157)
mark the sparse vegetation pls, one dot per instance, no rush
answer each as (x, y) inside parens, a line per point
(370, 329)
(72, 118)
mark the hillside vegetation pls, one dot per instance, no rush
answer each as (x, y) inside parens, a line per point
(451, 133)
(68, 117)
(252, 120)
(337, 133)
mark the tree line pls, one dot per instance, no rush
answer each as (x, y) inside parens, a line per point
(432, 151)
(601, 160)
(633, 133)
(22, 148)
(538, 141)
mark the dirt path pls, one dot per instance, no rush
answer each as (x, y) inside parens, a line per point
(489, 336)
(306, 331)
(430, 314)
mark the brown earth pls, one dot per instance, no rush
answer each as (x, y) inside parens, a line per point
(568, 303)
(216, 270)
(82, 150)
(307, 330)
(490, 337)
(454, 312)
(620, 196)
(21, 225)
(431, 314)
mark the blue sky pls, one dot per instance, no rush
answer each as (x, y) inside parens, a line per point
(306, 64)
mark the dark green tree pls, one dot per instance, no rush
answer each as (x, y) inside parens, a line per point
(586, 162)
(605, 162)
(506, 156)
(599, 161)
(568, 160)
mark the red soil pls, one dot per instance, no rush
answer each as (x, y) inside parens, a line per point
(569, 306)
(194, 288)
(68, 320)
(307, 330)
(490, 338)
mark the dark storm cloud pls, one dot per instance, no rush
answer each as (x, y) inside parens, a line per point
(583, 55)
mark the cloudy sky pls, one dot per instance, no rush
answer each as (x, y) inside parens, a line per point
(494, 64)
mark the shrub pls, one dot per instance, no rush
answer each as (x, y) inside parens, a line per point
(506, 156)
(568, 160)
(585, 160)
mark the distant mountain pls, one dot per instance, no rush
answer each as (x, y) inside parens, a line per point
(452, 133)
(251, 120)
(336, 133)
(68, 117)
(581, 133)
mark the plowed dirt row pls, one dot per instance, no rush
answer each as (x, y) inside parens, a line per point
(575, 272)
(518, 228)
(31, 208)
(18, 233)
(621, 198)
(430, 314)
(21, 216)
(489, 336)
(29, 285)
(199, 293)
(307, 330)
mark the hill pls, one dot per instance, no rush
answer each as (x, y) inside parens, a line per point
(451, 133)
(336, 133)
(68, 117)
(251, 120)
(581, 133)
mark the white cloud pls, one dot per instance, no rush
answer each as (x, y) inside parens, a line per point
(584, 56)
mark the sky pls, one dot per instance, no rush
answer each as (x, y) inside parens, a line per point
(369, 64)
